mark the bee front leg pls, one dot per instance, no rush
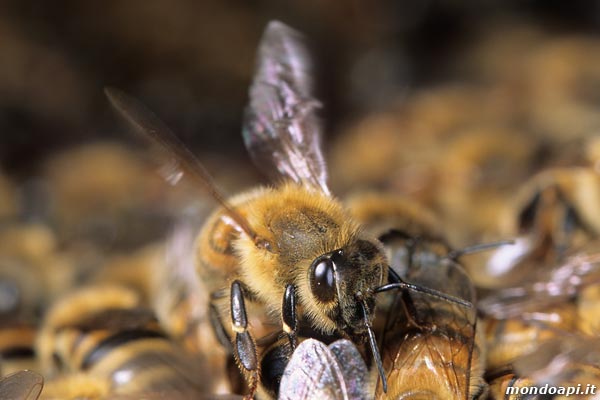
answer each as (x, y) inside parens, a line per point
(244, 345)
(288, 315)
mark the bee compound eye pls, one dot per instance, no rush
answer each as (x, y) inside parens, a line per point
(322, 280)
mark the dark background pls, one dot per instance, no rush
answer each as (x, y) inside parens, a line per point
(191, 61)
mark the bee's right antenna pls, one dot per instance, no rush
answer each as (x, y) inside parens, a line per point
(373, 344)
(454, 254)
(401, 285)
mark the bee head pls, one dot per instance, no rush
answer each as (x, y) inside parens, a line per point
(338, 277)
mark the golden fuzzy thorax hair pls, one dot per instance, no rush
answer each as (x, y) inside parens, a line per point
(299, 225)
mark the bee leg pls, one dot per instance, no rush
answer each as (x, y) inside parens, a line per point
(288, 315)
(244, 345)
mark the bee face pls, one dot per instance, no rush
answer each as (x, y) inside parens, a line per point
(346, 277)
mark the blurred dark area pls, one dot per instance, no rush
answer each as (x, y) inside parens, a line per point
(191, 61)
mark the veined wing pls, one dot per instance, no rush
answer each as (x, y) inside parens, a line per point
(22, 385)
(316, 371)
(281, 128)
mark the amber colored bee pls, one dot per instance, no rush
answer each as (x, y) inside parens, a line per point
(554, 212)
(559, 368)
(542, 309)
(102, 340)
(431, 348)
(17, 342)
(8, 199)
(22, 385)
(507, 339)
(292, 253)
(505, 384)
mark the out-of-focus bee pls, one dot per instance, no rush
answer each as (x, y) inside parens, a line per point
(22, 385)
(292, 254)
(541, 309)
(317, 371)
(8, 199)
(554, 212)
(17, 342)
(503, 383)
(559, 368)
(553, 286)
(135, 270)
(588, 310)
(431, 347)
(104, 194)
(33, 269)
(100, 341)
(507, 339)
(181, 300)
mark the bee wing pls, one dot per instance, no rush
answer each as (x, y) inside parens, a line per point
(562, 360)
(22, 385)
(180, 159)
(553, 287)
(316, 371)
(281, 129)
(440, 352)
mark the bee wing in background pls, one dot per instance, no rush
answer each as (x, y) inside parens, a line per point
(316, 371)
(567, 359)
(181, 159)
(22, 385)
(281, 129)
(554, 286)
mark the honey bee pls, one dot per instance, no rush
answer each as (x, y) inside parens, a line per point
(317, 371)
(8, 199)
(562, 367)
(100, 341)
(433, 349)
(22, 385)
(293, 253)
(554, 212)
(507, 339)
(17, 342)
(543, 309)
(504, 383)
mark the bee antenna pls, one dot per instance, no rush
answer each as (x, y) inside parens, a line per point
(420, 289)
(373, 345)
(454, 254)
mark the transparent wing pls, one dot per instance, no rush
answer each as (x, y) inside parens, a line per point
(568, 360)
(316, 371)
(428, 344)
(551, 287)
(22, 385)
(281, 128)
(181, 159)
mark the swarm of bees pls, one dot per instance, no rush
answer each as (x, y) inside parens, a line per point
(289, 292)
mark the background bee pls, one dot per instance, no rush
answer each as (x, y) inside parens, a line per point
(317, 371)
(547, 308)
(552, 214)
(571, 361)
(100, 341)
(291, 253)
